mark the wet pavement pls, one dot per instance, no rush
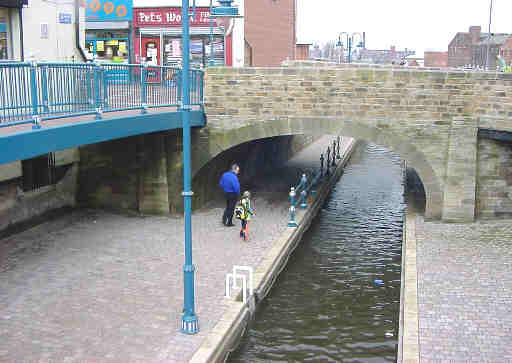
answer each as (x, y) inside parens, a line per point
(97, 286)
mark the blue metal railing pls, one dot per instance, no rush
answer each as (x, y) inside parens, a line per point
(32, 92)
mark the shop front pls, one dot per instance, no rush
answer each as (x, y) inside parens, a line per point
(107, 35)
(158, 38)
(4, 40)
(10, 37)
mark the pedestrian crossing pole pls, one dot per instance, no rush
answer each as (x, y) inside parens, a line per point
(189, 321)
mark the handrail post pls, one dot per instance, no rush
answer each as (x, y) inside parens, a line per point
(105, 86)
(333, 153)
(338, 156)
(33, 94)
(327, 171)
(292, 222)
(97, 92)
(143, 88)
(44, 83)
(321, 165)
(201, 88)
(304, 193)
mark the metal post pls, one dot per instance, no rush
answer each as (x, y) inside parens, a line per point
(327, 172)
(33, 87)
(333, 153)
(303, 193)
(350, 49)
(338, 156)
(44, 84)
(190, 324)
(143, 88)
(211, 62)
(321, 165)
(292, 222)
(488, 39)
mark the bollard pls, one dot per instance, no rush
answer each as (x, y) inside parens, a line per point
(338, 156)
(327, 171)
(292, 222)
(321, 165)
(333, 153)
(143, 88)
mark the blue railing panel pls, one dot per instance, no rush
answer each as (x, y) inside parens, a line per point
(56, 90)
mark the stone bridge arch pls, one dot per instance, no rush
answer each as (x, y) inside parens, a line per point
(211, 142)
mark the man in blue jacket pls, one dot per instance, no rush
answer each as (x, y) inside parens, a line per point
(231, 186)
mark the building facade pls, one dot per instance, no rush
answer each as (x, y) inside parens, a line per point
(38, 30)
(157, 36)
(474, 49)
(270, 31)
(381, 56)
(436, 59)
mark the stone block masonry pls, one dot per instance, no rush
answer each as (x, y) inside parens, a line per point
(415, 112)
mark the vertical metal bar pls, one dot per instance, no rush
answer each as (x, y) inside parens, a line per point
(33, 93)
(190, 323)
(144, 100)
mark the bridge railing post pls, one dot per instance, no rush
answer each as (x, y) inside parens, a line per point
(143, 88)
(97, 90)
(292, 222)
(34, 95)
(304, 193)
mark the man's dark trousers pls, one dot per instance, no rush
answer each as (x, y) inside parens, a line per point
(231, 199)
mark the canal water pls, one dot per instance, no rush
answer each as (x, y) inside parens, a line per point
(338, 299)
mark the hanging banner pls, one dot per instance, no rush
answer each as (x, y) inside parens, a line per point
(109, 10)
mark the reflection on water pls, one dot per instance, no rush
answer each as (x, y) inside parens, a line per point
(338, 298)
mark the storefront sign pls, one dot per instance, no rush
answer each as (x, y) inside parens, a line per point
(108, 10)
(65, 18)
(168, 17)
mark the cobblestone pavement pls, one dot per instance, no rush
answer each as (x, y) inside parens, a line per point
(95, 286)
(465, 291)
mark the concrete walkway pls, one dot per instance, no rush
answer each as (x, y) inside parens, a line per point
(95, 286)
(464, 291)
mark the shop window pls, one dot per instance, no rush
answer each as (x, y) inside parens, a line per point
(41, 171)
(4, 50)
(109, 50)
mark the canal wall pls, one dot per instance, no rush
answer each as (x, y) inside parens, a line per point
(225, 336)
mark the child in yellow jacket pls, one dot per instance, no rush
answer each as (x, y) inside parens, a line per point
(246, 217)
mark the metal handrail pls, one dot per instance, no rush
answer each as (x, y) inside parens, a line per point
(31, 92)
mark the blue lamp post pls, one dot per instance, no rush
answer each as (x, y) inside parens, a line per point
(350, 41)
(189, 321)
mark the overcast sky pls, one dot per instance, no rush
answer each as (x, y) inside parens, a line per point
(414, 24)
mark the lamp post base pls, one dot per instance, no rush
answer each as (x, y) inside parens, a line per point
(189, 324)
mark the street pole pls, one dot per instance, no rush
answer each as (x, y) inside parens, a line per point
(211, 62)
(190, 324)
(488, 38)
(350, 49)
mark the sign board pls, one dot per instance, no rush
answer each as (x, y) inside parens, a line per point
(65, 18)
(108, 10)
(169, 17)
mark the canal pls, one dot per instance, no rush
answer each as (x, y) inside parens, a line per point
(338, 299)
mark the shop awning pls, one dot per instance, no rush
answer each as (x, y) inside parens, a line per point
(13, 3)
(103, 25)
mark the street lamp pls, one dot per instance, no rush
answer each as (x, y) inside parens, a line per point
(350, 40)
(223, 15)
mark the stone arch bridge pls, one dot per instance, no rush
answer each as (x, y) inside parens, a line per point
(432, 118)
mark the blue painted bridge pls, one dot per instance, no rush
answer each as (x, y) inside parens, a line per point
(52, 106)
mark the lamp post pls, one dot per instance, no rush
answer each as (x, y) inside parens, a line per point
(488, 39)
(189, 321)
(350, 41)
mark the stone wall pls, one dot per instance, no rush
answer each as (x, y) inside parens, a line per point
(429, 117)
(17, 206)
(494, 181)
(144, 173)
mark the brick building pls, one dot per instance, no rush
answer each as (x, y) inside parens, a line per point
(270, 31)
(302, 51)
(471, 48)
(436, 59)
(382, 56)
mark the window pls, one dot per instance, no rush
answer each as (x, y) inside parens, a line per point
(38, 172)
(4, 50)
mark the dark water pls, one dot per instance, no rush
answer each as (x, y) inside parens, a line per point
(326, 305)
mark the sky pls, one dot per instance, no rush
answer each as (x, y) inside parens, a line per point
(414, 24)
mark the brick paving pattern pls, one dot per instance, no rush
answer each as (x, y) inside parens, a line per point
(465, 291)
(95, 286)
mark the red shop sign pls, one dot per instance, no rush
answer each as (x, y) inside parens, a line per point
(169, 17)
